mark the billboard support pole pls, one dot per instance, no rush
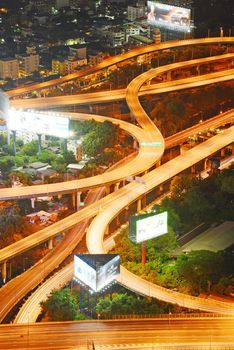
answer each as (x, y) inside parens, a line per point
(81, 300)
(14, 141)
(143, 253)
(39, 145)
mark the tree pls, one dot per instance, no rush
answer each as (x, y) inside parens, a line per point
(10, 223)
(180, 185)
(30, 148)
(24, 178)
(200, 269)
(62, 305)
(173, 217)
(197, 206)
(69, 157)
(104, 135)
(127, 304)
(225, 181)
(5, 165)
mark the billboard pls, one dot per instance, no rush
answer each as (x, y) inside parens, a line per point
(147, 226)
(84, 272)
(39, 123)
(96, 270)
(167, 16)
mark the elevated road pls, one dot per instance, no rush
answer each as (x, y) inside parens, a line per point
(118, 59)
(198, 333)
(120, 94)
(147, 156)
(114, 203)
(51, 231)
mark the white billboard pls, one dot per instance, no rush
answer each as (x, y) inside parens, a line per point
(38, 123)
(105, 268)
(167, 16)
(85, 273)
(108, 273)
(151, 227)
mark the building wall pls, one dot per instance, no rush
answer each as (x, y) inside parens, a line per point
(9, 68)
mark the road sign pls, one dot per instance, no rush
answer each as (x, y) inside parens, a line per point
(152, 144)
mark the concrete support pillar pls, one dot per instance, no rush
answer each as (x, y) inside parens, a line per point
(107, 230)
(14, 141)
(78, 196)
(135, 144)
(73, 200)
(33, 203)
(206, 161)
(139, 205)
(143, 201)
(126, 214)
(198, 69)
(158, 164)
(193, 169)
(107, 189)
(117, 186)
(132, 117)
(223, 152)
(65, 145)
(4, 271)
(161, 189)
(169, 75)
(8, 137)
(50, 243)
(39, 145)
(91, 108)
(117, 222)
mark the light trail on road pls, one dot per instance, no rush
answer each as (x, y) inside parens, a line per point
(131, 192)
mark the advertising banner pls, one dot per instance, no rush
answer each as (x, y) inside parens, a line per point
(147, 226)
(39, 123)
(167, 16)
(96, 270)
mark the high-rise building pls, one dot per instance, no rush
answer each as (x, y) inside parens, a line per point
(9, 68)
(134, 12)
(28, 64)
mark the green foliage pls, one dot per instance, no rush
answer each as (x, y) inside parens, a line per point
(200, 269)
(25, 179)
(101, 136)
(173, 217)
(126, 304)
(68, 157)
(10, 223)
(172, 112)
(59, 165)
(225, 181)
(30, 148)
(47, 156)
(62, 305)
(180, 185)
(3, 139)
(6, 164)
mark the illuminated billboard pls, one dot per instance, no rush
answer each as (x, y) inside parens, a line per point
(96, 270)
(38, 123)
(84, 272)
(147, 226)
(167, 16)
